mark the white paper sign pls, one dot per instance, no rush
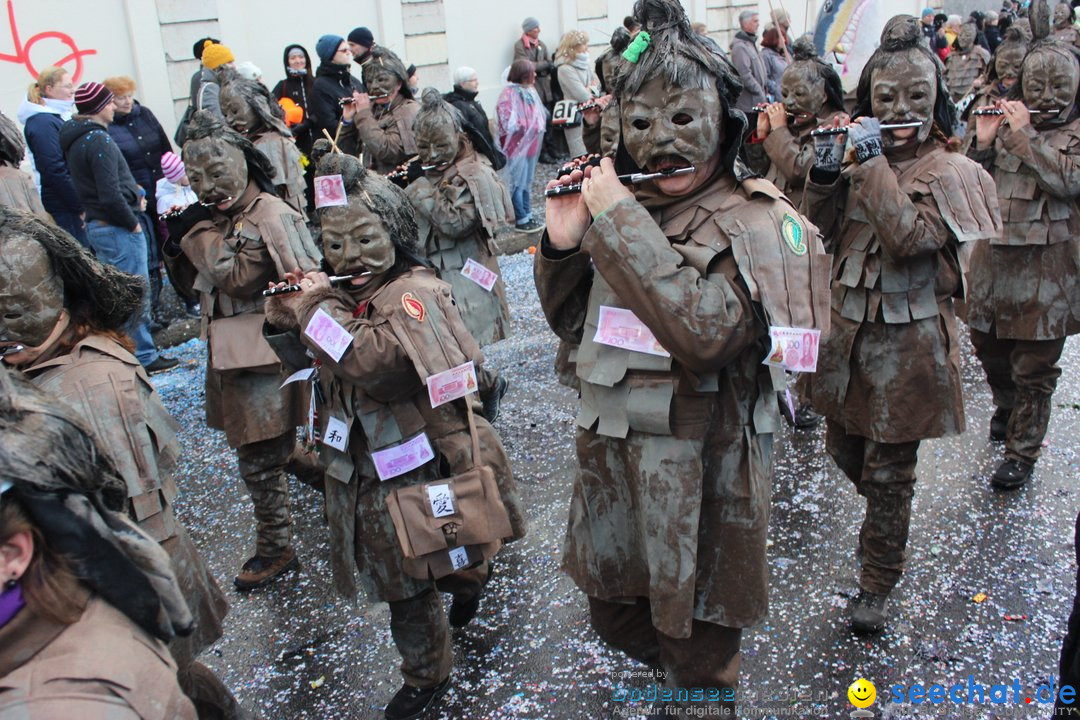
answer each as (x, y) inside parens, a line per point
(457, 382)
(330, 191)
(337, 434)
(441, 498)
(400, 459)
(459, 558)
(794, 349)
(298, 376)
(621, 328)
(479, 274)
(328, 334)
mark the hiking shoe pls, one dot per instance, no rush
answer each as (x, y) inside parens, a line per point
(868, 612)
(999, 424)
(161, 364)
(260, 570)
(805, 418)
(1012, 474)
(411, 702)
(530, 227)
(492, 399)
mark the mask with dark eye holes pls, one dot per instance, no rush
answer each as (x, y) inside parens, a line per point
(217, 171)
(803, 90)
(1049, 79)
(355, 240)
(239, 112)
(905, 90)
(31, 294)
(965, 39)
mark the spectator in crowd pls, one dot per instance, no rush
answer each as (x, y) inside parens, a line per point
(934, 40)
(86, 599)
(16, 187)
(48, 103)
(774, 57)
(173, 190)
(414, 80)
(197, 80)
(979, 18)
(361, 43)
(530, 47)
(944, 43)
(782, 23)
(333, 84)
(991, 30)
(521, 119)
(952, 29)
(205, 87)
(142, 141)
(249, 71)
(577, 81)
(463, 97)
(109, 194)
(298, 87)
(747, 60)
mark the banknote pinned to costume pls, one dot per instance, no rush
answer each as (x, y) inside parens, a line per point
(449, 385)
(330, 191)
(403, 458)
(621, 328)
(328, 334)
(479, 274)
(794, 349)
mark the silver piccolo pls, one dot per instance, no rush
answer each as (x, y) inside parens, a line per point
(334, 280)
(999, 111)
(631, 179)
(215, 204)
(843, 130)
(11, 350)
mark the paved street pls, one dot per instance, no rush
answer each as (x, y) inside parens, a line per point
(297, 651)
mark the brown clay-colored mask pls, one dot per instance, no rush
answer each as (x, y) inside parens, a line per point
(355, 240)
(965, 39)
(905, 91)
(1007, 63)
(238, 112)
(217, 171)
(438, 144)
(1050, 81)
(31, 295)
(381, 81)
(1061, 15)
(668, 126)
(804, 94)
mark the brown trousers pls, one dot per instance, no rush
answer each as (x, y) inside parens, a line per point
(262, 467)
(1022, 375)
(709, 658)
(421, 632)
(884, 474)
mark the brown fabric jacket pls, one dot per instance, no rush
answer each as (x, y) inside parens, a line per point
(289, 173)
(672, 498)
(1025, 284)
(387, 139)
(962, 69)
(377, 389)
(889, 370)
(17, 191)
(110, 390)
(458, 212)
(539, 56)
(791, 155)
(101, 666)
(229, 260)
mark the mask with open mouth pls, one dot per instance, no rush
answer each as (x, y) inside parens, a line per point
(438, 131)
(249, 107)
(809, 85)
(217, 172)
(385, 75)
(1049, 78)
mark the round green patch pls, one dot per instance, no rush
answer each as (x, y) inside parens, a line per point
(793, 234)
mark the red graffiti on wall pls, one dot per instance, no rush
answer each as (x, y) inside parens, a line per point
(22, 51)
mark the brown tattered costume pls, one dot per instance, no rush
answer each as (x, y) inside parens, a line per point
(16, 187)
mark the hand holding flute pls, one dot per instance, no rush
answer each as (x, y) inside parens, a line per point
(569, 214)
(987, 124)
(771, 115)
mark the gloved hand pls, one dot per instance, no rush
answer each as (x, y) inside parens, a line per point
(828, 151)
(865, 136)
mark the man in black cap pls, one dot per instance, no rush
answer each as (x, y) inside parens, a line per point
(361, 42)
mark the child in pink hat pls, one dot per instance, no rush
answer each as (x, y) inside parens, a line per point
(174, 192)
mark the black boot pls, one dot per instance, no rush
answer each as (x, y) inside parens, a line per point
(463, 610)
(1011, 474)
(492, 399)
(411, 702)
(999, 424)
(868, 612)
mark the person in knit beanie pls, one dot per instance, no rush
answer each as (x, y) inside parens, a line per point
(361, 43)
(214, 55)
(174, 191)
(334, 84)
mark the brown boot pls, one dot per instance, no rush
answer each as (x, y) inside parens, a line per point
(259, 570)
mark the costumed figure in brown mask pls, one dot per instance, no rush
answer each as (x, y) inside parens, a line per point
(236, 239)
(16, 187)
(1000, 76)
(459, 202)
(966, 64)
(68, 311)
(898, 210)
(1065, 30)
(88, 600)
(251, 111)
(381, 120)
(419, 493)
(669, 289)
(1024, 285)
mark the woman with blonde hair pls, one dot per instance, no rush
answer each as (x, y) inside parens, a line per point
(49, 101)
(577, 80)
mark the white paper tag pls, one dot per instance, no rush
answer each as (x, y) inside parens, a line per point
(400, 459)
(794, 349)
(330, 191)
(328, 334)
(479, 274)
(621, 328)
(299, 375)
(457, 382)
(441, 498)
(336, 434)
(459, 558)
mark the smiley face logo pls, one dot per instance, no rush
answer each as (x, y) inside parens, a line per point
(862, 693)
